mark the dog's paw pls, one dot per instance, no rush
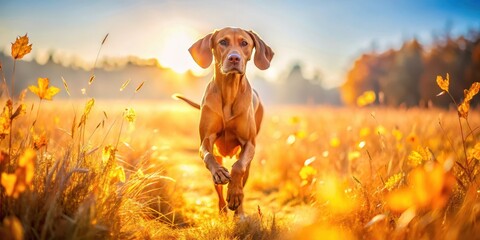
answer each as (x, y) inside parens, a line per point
(220, 175)
(234, 197)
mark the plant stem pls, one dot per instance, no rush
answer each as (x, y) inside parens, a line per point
(463, 138)
(13, 80)
(38, 111)
(10, 142)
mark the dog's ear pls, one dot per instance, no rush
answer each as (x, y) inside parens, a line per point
(263, 53)
(201, 51)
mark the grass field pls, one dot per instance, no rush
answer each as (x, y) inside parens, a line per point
(93, 169)
(317, 172)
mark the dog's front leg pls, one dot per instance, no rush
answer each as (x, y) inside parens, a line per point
(239, 168)
(220, 174)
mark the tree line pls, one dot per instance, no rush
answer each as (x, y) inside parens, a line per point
(407, 76)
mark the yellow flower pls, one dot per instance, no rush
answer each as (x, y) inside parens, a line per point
(20, 47)
(130, 115)
(43, 91)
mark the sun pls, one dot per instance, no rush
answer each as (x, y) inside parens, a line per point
(174, 54)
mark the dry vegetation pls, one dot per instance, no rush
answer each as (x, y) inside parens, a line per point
(130, 170)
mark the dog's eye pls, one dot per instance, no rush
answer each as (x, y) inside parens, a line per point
(244, 43)
(223, 42)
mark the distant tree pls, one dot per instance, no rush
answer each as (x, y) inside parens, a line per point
(408, 76)
(359, 79)
(400, 85)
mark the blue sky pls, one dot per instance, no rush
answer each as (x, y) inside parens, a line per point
(323, 36)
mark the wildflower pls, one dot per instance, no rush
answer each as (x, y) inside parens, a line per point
(394, 180)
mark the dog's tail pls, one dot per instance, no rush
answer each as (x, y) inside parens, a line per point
(177, 96)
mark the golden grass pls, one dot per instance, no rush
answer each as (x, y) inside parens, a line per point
(167, 193)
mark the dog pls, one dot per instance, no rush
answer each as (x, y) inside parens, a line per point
(231, 111)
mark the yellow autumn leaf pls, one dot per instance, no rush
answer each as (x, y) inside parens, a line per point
(39, 141)
(364, 132)
(463, 109)
(476, 151)
(8, 182)
(5, 117)
(397, 134)
(27, 161)
(118, 174)
(429, 187)
(307, 173)
(43, 91)
(400, 200)
(21, 109)
(443, 83)
(334, 192)
(20, 47)
(470, 93)
(108, 153)
(353, 155)
(334, 142)
(12, 228)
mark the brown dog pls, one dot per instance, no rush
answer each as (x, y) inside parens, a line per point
(231, 111)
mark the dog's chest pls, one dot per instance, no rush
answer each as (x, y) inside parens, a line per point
(227, 112)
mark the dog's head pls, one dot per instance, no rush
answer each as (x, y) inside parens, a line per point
(232, 49)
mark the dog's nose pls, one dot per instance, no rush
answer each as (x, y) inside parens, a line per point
(234, 58)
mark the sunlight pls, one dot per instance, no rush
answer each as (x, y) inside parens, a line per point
(174, 50)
